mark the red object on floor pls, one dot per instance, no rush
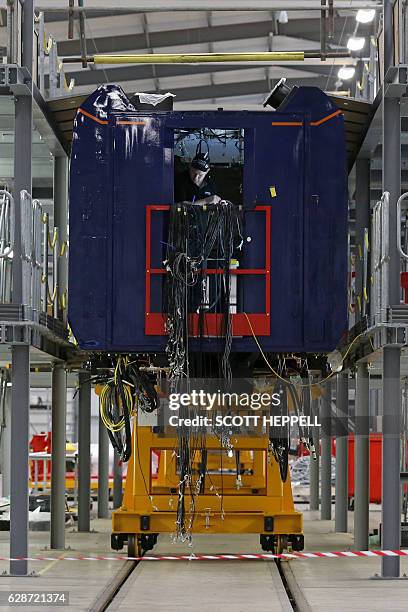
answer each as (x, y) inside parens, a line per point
(302, 451)
(375, 480)
(404, 285)
(40, 443)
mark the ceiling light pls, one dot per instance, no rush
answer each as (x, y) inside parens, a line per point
(346, 72)
(355, 43)
(365, 15)
(283, 17)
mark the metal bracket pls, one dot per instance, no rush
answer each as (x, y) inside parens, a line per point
(404, 196)
(376, 338)
(15, 79)
(396, 81)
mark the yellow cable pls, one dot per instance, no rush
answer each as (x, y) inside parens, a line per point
(51, 298)
(108, 389)
(114, 427)
(367, 242)
(315, 384)
(49, 45)
(361, 84)
(63, 300)
(115, 373)
(71, 335)
(53, 242)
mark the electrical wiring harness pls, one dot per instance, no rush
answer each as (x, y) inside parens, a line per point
(121, 393)
(197, 236)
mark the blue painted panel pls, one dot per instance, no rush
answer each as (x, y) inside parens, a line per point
(89, 261)
(123, 160)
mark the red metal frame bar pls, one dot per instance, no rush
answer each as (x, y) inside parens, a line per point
(155, 321)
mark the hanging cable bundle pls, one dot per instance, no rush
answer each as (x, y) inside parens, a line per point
(200, 238)
(118, 398)
(116, 408)
(197, 236)
(279, 440)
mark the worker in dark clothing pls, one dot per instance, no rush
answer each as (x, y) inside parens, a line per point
(194, 188)
(194, 185)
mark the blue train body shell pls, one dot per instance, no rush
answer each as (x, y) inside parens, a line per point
(122, 161)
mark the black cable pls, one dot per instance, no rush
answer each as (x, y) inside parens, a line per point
(195, 234)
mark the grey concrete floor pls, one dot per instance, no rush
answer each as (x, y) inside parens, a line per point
(242, 586)
(234, 586)
(342, 584)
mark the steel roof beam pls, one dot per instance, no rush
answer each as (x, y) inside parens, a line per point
(134, 73)
(144, 6)
(308, 29)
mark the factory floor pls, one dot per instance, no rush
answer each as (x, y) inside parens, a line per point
(334, 585)
(324, 584)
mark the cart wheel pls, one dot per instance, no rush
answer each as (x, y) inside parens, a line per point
(134, 545)
(281, 543)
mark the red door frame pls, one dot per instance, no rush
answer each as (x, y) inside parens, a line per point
(155, 321)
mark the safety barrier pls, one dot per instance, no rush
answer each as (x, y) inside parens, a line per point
(53, 245)
(379, 263)
(348, 554)
(403, 253)
(380, 257)
(6, 243)
(37, 245)
(31, 251)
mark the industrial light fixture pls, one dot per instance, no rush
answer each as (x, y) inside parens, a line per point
(365, 15)
(346, 72)
(355, 43)
(278, 94)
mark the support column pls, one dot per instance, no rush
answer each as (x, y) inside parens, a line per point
(314, 463)
(6, 446)
(326, 495)
(391, 486)
(391, 137)
(20, 392)
(117, 481)
(20, 406)
(361, 459)
(342, 409)
(61, 221)
(23, 109)
(362, 222)
(103, 472)
(58, 470)
(84, 453)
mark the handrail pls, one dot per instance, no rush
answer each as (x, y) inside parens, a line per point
(3, 223)
(36, 244)
(404, 196)
(385, 203)
(380, 258)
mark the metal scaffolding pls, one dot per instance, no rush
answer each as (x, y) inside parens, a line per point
(33, 298)
(33, 290)
(381, 323)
